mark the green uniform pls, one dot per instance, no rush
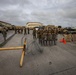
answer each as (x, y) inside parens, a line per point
(28, 30)
(34, 34)
(21, 30)
(49, 38)
(15, 31)
(4, 34)
(54, 38)
(24, 31)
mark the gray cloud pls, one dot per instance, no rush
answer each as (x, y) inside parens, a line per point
(70, 13)
(19, 12)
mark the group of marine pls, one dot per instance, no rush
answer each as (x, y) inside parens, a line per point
(18, 30)
(22, 30)
(46, 36)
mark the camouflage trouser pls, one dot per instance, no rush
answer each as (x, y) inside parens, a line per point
(40, 41)
(45, 42)
(34, 37)
(53, 42)
(49, 42)
(21, 31)
(18, 31)
(54, 39)
(24, 31)
(28, 32)
(5, 37)
(15, 31)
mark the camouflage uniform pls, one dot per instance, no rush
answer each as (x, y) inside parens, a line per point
(28, 30)
(49, 38)
(45, 37)
(4, 34)
(54, 36)
(40, 38)
(15, 30)
(18, 30)
(21, 30)
(34, 33)
(24, 31)
(39, 35)
(38, 32)
(54, 39)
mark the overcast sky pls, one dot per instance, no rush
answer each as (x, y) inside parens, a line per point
(57, 12)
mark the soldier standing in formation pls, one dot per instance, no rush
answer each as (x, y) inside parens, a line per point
(24, 30)
(15, 30)
(54, 36)
(21, 30)
(34, 33)
(4, 33)
(47, 36)
(50, 37)
(53, 39)
(28, 30)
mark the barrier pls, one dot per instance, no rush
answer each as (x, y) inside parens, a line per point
(18, 48)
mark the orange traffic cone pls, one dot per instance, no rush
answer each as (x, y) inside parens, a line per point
(63, 41)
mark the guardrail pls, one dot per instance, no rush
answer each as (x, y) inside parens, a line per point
(23, 48)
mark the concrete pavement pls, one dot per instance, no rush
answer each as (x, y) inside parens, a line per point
(55, 60)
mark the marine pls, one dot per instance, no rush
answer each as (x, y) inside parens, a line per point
(34, 33)
(54, 36)
(24, 30)
(4, 33)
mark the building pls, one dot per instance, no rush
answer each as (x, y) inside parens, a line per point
(5, 24)
(31, 25)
